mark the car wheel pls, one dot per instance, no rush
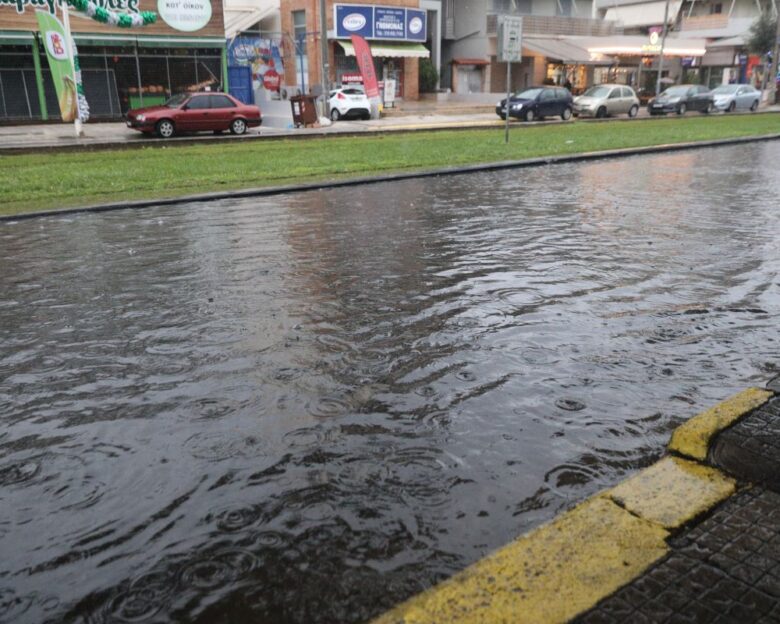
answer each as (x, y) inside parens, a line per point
(566, 114)
(238, 126)
(529, 115)
(632, 112)
(601, 112)
(165, 129)
(754, 106)
(335, 115)
(732, 107)
(681, 110)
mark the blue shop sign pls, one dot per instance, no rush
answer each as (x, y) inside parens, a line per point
(380, 22)
(353, 19)
(416, 22)
(389, 23)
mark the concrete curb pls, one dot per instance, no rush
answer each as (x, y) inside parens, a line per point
(395, 177)
(565, 567)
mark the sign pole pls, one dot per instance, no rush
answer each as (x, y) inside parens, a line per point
(661, 54)
(71, 52)
(508, 94)
(324, 65)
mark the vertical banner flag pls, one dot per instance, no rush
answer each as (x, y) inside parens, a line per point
(60, 63)
(366, 65)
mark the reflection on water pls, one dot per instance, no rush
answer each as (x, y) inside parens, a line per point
(306, 408)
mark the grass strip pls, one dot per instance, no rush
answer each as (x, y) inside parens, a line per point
(60, 180)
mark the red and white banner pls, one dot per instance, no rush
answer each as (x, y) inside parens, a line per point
(366, 65)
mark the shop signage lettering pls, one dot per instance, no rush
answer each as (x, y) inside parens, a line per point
(52, 5)
(185, 15)
(380, 22)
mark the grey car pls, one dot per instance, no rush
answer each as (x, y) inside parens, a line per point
(607, 99)
(734, 97)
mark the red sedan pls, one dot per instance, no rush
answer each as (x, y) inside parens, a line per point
(193, 112)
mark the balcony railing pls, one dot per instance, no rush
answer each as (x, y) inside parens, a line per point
(704, 22)
(558, 25)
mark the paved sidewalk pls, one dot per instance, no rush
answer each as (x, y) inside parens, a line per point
(725, 569)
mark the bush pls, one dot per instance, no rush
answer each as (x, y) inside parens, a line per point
(429, 77)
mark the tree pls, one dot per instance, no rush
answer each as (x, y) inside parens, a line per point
(761, 40)
(428, 76)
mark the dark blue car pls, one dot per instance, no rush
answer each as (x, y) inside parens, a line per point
(537, 103)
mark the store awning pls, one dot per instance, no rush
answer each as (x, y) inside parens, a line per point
(389, 49)
(645, 14)
(15, 37)
(240, 19)
(564, 51)
(469, 61)
(637, 45)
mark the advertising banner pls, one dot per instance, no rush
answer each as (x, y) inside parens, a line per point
(366, 64)
(380, 22)
(262, 56)
(60, 63)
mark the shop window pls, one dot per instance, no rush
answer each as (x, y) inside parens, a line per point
(716, 9)
(301, 58)
(564, 7)
(209, 73)
(183, 76)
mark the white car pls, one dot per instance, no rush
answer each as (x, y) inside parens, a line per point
(349, 102)
(734, 97)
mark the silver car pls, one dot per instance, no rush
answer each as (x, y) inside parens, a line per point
(607, 99)
(734, 97)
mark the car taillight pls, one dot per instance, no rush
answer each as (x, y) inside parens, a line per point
(341, 96)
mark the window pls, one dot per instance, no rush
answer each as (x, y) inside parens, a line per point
(627, 92)
(198, 102)
(716, 9)
(221, 101)
(548, 94)
(299, 25)
(614, 94)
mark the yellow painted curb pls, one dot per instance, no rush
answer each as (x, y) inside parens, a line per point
(692, 439)
(672, 491)
(548, 576)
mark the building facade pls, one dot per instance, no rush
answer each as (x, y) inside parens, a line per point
(401, 33)
(121, 68)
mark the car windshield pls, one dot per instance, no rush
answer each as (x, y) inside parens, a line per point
(597, 92)
(676, 91)
(528, 94)
(725, 90)
(177, 100)
(353, 91)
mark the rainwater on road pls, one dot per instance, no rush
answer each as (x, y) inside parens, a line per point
(305, 408)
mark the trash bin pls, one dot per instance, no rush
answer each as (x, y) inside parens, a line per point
(304, 110)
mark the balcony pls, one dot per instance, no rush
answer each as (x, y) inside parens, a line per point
(558, 25)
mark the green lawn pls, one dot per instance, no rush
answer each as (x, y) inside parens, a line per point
(60, 180)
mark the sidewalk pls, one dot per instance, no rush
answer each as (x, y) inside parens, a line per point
(116, 134)
(694, 538)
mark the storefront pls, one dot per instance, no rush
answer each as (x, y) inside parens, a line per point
(397, 34)
(121, 69)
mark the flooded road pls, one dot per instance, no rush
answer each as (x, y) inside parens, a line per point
(307, 408)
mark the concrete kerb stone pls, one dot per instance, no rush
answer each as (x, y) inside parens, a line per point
(395, 177)
(565, 567)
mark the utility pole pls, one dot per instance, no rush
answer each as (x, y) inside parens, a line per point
(324, 66)
(775, 61)
(661, 54)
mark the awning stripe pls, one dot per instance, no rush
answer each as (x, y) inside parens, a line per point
(389, 49)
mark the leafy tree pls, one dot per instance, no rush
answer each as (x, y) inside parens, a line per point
(428, 76)
(762, 34)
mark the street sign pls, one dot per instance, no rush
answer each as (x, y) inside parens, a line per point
(510, 39)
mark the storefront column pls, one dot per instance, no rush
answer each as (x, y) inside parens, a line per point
(39, 79)
(225, 84)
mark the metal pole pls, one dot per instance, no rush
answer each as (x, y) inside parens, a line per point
(775, 62)
(661, 54)
(324, 55)
(66, 24)
(508, 93)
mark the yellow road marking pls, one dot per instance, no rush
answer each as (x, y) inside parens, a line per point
(548, 576)
(692, 438)
(672, 491)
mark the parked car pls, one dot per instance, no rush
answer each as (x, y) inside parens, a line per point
(734, 97)
(682, 98)
(537, 103)
(195, 112)
(349, 102)
(607, 99)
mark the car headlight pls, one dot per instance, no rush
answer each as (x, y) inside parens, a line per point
(517, 106)
(499, 104)
(141, 118)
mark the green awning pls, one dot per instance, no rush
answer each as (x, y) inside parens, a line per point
(181, 42)
(389, 49)
(16, 37)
